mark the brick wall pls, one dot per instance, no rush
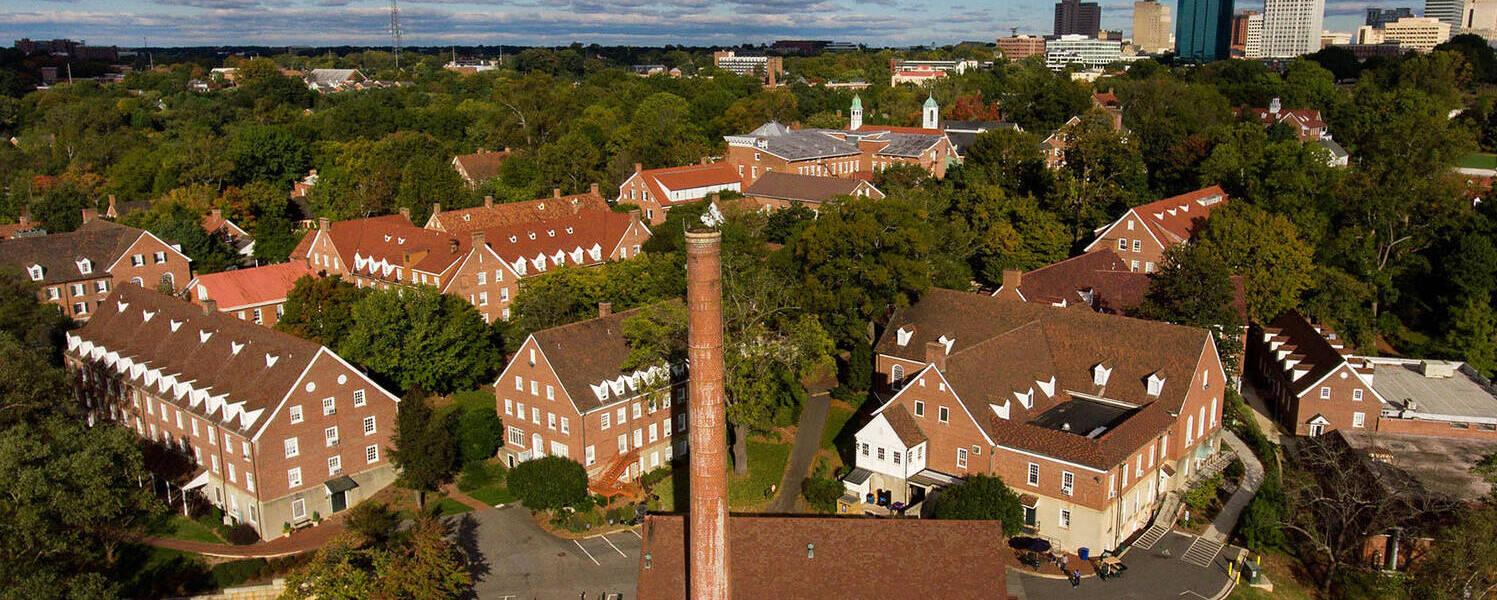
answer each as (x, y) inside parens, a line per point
(1121, 239)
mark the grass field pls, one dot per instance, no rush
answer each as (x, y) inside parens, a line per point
(492, 496)
(1478, 160)
(766, 466)
(1285, 586)
(448, 506)
(836, 419)
(182, 528)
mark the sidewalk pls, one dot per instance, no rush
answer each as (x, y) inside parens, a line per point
(1260, 412)
(303, 540)
(1226, 520)
(802, 454)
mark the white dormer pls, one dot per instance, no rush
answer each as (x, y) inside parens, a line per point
(235, 347)
(148, 315)
(270, 360)
(203, 336)
(36, 272)
(550, 233)
(531, 235)
(121, 306)
(387, 237)
(947, 342)
(1100, 373)
(569, 231)
(1048, 387)
(175, 325)
(513, 239)
(400, 241)
(1026, 397)
(1297, 373)
(596, 252)
(1156, 383)
(1001, 411)
(85, 266)
(902, 337)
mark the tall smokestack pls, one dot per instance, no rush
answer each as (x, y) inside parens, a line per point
(708, 436)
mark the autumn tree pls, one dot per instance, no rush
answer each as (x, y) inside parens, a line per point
(425, 450)
(1266, 250)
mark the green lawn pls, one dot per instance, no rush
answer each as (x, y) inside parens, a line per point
(1478, 160)
(182, 528)
(448, 506)
(492, 496)
(836, 419)
(766, 465)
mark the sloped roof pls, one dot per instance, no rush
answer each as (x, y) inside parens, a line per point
(805, 188)
(853, 558)
(334, 77)
(1005, 347)
(391, 237)
(241, 361)
(1311, 345)
(215, 220)
(795, 144)
(586, 353)
(1176, 219)
(904, 426)
(247, 287)
(1102, 279)
(481, 166)
(99, 241)
(586, 238)
(465, 220)
(662, 181)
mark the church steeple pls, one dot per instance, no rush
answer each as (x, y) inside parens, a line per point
(857, 113)
(932, 113)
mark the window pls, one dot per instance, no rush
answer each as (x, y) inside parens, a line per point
(1356, 395)
(535, 415)
(1325, 392)
(249, 482)
(919, 408)
(1358, 420)
(896, 457)
(961, 458)
(214, 458)
(551, 421)
(896, 374)
(244, 448)
(483, 298)
(85, 266)
(293, 479)
(159, 257)
(623, 443)
(516, 437)
(603, 421)
(865, 448)
(1034, 474)
(637, 411)
(590, 456)
(212, 435)
(369, 425)
(1190, 428)
(1138, 246)
(680, 422)
(298, 509)
(1138, 467)
(943, 414)
(258, 318)
(535, 388)
(137, 260)
(1133, 266)
(483, 278)
(194, 426)
(329, 406)
(566, 427)
(519, 384)
(77, 289)
(101, 286)
(1067, 483)
(639, 438)
(80, 308)
(371, 453)
(331, 435)
(881, 453)
(620, 415)
(1122, 243)
(334, 464)
(509, 406)
(295, 414)
(1065, 518)
(53, 293)
(520, 410)
(1112, 478)
(232, 477)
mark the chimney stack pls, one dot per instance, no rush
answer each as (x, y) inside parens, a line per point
(638, 167)
(478, 238)
(556, 193)
(708, 435)
(90, 214)
(405, 212)
(593, 189)
(210, 306)
(1012, 280)
(436, 208)
(935, 354)
(323, 224)
(605, 309)
(113, 212)
(218, 213)
(488, 202)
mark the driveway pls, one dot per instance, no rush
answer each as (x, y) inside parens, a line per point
(807, 441)
(514, 559)
(1164, 572)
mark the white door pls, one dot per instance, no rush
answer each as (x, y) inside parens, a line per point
(1316, 429)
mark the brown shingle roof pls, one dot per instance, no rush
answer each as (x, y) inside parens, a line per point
(505, 214)
(1177, 218)
(1006, 347)
(1106, 277)
(587, 230)
(214, 351)
(391, 238)
(853, 558)
(99, 241)
(1315, 352)
(480, 166)
(586, 353)
(805, 188)
(904, 426)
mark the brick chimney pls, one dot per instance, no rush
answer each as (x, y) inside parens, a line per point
(592, 189)
(935, 353)
(638, 167)
(112, 211)
(478, 238)
(436, 208)
(556, 193)
(708, 435)
(605, 309)
(488, 202)
(324, 224)
(210, 306)
(405, 212)
(1012, 280)
(90, 214)
(218, 213)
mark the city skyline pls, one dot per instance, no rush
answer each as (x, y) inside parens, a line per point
(558, 22)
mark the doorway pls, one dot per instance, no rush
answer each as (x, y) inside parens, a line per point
(340, 501)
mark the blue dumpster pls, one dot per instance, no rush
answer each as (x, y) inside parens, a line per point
(1082, 553)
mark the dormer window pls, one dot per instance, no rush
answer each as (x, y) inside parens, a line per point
(902, 337)
(513, 239)
(1101, 373)
(569, 231)
(532, 235)
(550, 233)
(947, 342)
(85, 266)
(467, 217)
(1156, 383)
(35, 271)
(387, 237)
(400, 241)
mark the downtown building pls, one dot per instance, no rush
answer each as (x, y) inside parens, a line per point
(279, 430)
(1292, 27)
(1152, 27)
(1090, 53)
(1203, 30)
(1073, 17)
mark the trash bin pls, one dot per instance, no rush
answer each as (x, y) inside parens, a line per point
(1083, 553)
(1251, 572)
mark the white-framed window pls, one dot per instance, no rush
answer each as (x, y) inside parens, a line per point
(519, 384)
(358, 398)
(1212, 414)
(213, 458)
(483, 277)
(509, 406)
(334, 464)
(80, 308)
(137, 260)
(53, 293)
(589, 455)
(194, 426)
(249, 482)
(623, 443)
(244, 447)
(603, 421)
(520, 410)
(483, 298)
(295, 412)
(1122, 244)
(1067, 483)
(566, 426)
(1065, 518)
(550, 392)
(1358, 420)
(293, 479)
(371, 453)
(620, 415)
(212, 436)
(101, 286)
(896, 457)
(551, 421)
(159, 256)
(919, 408)
(85, 266)
(639, 437)
(654, 428)
(865, 448)
(77, 289)
(1112, 479)
(535, 388)
(559, 449)
(369, 425)
(943, 414)
(329, 406)
(1034, 474)
(234, 478)
(331, 435)
(961, 457)
(896, 374)
(1325, 392)
(880, 452)
(1138, 245)
(1356, 394)
(517, 437)
(638, 410)
(298, 509)
(1190, 428)
(535, 415)
(258, 317)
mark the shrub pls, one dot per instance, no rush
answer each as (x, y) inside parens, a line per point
(373, 520)
(621, 514)
(479, 432)
(1235, 470)
(1201, 496)
(242, 535)
(654, 477)
(239, 571)
(980, 497)
(860, 367)
(548, 483)
(821, 493)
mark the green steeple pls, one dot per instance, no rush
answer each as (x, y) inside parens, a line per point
(930, 101)
(857, 103)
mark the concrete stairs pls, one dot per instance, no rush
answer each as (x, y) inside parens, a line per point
(1202, 552)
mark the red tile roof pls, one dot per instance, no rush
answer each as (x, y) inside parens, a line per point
(480, 166)
(1102, 280)
(585, 238)
(662, 181)
(465, 220)
(249, 287)
(392, 238)
(809, 558)
(1176, 219)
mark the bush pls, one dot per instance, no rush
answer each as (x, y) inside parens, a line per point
(621, 514)
(479, 432)
(980, 497)
(821, 493)
(1200, 497)
(239, 571)
(374, 521)
(1235, 470)
(548, 483)
(656, 476)
(241, 535)
(860, 368)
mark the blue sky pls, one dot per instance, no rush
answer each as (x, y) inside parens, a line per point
(555, 22)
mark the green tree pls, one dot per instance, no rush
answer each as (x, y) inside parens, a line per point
(320, 309)
(424, 449)
(428, 566)
(480, 433)
(268, 154)
(1266, 250)
(981, 498)
(1473, 335)
(417, 337)
(1194, 287)
(548, 483)
(1462, 561)
(337, 571)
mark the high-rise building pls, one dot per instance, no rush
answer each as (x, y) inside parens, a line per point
(1240, 29)
(1079, 49)
(1378, 17)
(1252, 46)
(1151, 27)
(1203, 30)
(1478, 16)
(1292, 27)
(1073, 17)
(1448, 11)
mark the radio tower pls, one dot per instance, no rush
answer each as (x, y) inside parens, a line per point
(395, 30)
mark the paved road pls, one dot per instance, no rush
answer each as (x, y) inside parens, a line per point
(1226, 520)
(514, 559)
(802, 454)
(1151, 575)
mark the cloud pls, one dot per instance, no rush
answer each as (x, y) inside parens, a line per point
(212, 4)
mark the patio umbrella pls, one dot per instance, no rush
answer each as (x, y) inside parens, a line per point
(1039, 545)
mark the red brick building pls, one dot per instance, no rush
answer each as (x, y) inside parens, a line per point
(78, 270)
(1306, 122)
(480, 166)
(1100, 279)
(256, 295)
(656, 191)
(1092, 418)
(565, 393)
(775, 190)
(860, 151)
(281, 429)
(1141, 235)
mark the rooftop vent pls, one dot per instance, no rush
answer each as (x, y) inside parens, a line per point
(1437, 368)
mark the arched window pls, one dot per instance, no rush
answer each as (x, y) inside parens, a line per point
(896, 374)
(137, 281)
(167, 280)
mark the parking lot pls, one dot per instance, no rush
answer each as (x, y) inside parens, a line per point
(515, 560)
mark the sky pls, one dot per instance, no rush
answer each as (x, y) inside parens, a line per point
(130, 23)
